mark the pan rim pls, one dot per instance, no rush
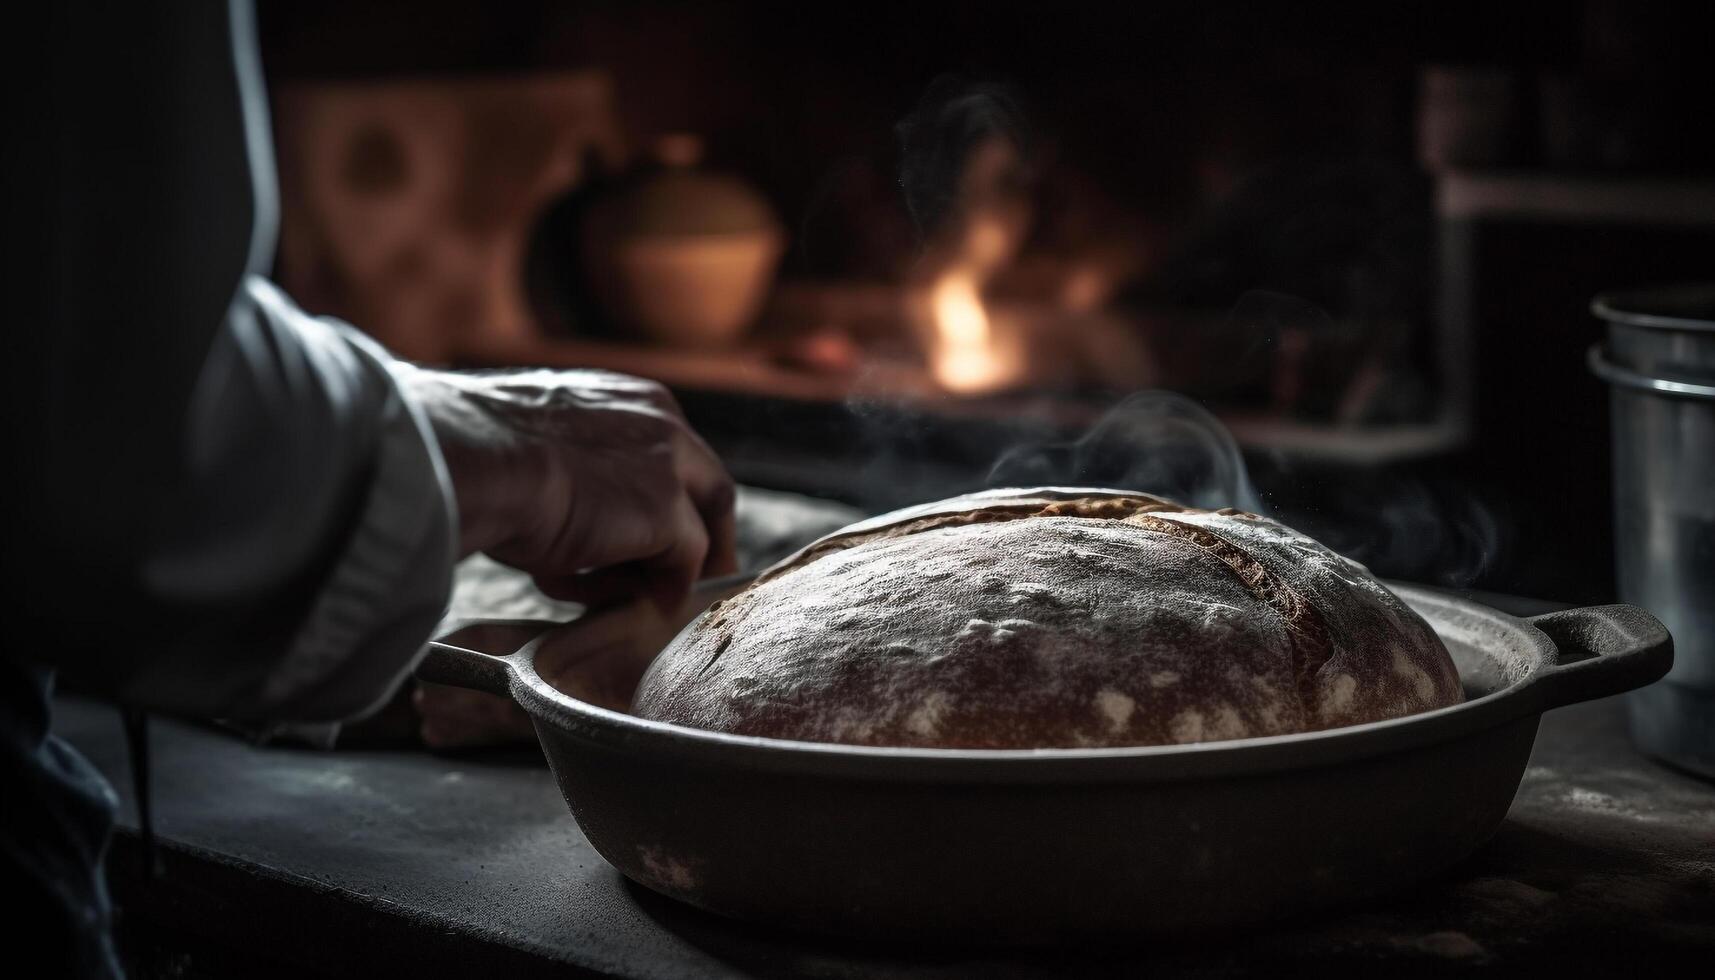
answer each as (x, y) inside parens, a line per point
(602, 728)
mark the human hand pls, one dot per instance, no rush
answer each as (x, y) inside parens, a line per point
(592, 482)
(597, 658)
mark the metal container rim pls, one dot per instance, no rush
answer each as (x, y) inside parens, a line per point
(1621, 377)
(1665, 308)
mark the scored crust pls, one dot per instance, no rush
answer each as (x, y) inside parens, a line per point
(1052, 618)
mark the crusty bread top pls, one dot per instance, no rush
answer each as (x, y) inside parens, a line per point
(1052, 618)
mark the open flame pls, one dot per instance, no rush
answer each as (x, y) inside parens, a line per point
(968, 354)
(962, 359)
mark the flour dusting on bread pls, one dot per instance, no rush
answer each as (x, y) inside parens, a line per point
(1038, 619)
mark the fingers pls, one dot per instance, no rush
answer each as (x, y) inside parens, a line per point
(598, 587)
(722, 557)
(453, 717)
(711, 490)
(665, 576)
(676, 569)
(599, 657)
(633, 503)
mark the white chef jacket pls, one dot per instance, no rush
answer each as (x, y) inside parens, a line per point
(218, 504)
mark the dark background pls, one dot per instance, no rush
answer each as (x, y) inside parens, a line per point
(1155, 117)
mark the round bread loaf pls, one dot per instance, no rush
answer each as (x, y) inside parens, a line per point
(1052, 618)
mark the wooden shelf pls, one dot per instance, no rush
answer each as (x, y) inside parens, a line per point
(751, 373)
(1574, 198)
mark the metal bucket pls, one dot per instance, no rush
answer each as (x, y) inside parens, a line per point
(1659, 360)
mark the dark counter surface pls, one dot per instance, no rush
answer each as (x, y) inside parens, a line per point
(291, 862)
(387, 863)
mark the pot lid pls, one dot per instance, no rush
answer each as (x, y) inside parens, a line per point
(674, 199)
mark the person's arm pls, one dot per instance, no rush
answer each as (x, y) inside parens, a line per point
(307, 551)
(330, 488)
(223, 505)
(232, 508)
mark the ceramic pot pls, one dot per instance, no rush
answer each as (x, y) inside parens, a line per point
(682, 257)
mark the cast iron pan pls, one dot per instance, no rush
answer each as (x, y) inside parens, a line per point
(1042, 846)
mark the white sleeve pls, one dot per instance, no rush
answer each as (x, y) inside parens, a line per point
(309, 553)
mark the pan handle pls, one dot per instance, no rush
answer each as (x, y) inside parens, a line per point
(480, 653)
(459, 658)
(1602, 650)
(458, 667)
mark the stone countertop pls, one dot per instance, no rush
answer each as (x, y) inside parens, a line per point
(354, 863)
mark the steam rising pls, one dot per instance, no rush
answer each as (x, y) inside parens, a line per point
(965, 165)
(964, 174)
(937, 139)
(1407, 526)
(1400, 524)
(1156, 442)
